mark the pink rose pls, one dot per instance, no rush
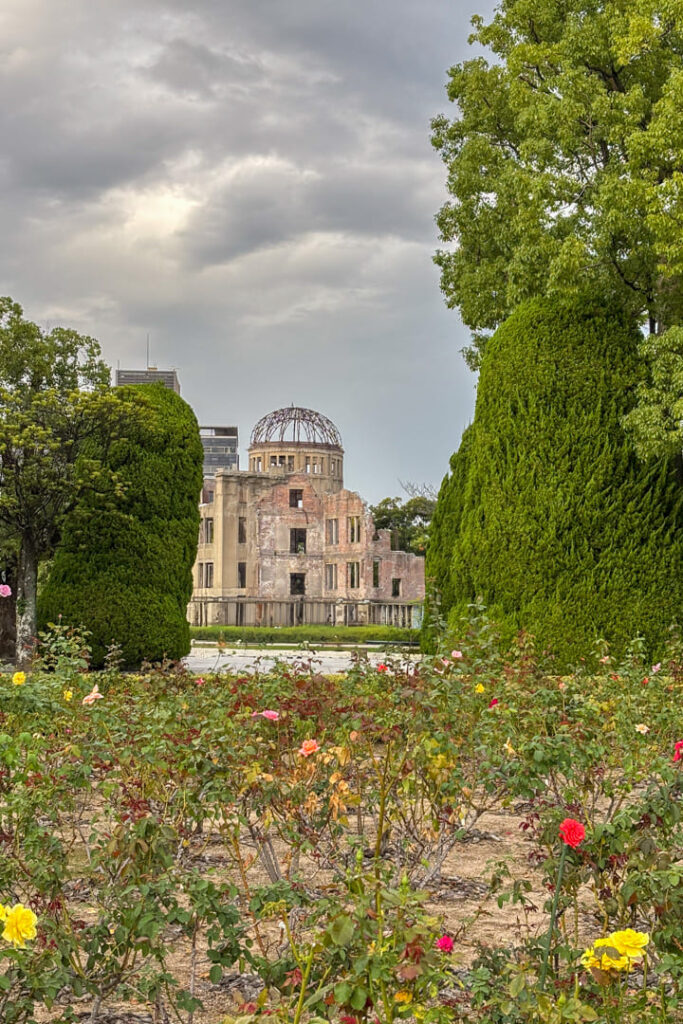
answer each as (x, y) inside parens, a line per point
(655, 668)
(456, 654)
(272, 716)
(5, 591)
(308, 747)
(445, 944)
(93, 695)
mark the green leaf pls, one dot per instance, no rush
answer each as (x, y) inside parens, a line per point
(341, 930)
(359, 998)
(342, 993)
(517, 985)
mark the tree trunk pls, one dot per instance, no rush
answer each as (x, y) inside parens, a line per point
(27, 589)
(8, 616)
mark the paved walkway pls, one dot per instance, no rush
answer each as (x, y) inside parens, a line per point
(262, 659)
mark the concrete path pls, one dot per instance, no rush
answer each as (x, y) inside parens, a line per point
(257, 659)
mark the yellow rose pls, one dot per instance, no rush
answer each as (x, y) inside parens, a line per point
(68, 695)
(3, 912)
(630, 943)
(605, 960)
(479, 688)
(19, 678)
(616, 952)
(403, 996)
(20, 925)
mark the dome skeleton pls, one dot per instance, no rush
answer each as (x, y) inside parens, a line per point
(305, 426)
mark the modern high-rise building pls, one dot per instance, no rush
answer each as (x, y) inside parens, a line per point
(220, 449)
(169, 378)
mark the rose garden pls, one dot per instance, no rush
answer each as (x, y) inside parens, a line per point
(488, 832)
(466, 839)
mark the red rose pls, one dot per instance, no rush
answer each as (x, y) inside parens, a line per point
(572, 832)
(493, 703)
(678, 751)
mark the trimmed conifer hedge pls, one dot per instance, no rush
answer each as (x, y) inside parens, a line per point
(123, 567)
(556, 524)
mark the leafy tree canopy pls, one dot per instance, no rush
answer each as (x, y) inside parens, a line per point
(565, 160)
(408, 521)
(53, 401)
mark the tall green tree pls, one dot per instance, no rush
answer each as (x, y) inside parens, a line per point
(656, 423)
(565, 161)
(53, 398)
(548, 515)
(408, 521)
(123, 567)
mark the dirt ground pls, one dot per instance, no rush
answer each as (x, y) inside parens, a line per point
(460, 898)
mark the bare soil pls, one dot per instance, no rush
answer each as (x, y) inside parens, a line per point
(461, 898)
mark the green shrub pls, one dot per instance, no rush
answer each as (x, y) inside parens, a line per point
(123, 568)
(557, 525)
(305, 634)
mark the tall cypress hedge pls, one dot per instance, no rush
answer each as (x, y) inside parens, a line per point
(123, 567)
(443, 531)
(557, 525)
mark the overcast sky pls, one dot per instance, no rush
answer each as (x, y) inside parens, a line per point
(250, 182)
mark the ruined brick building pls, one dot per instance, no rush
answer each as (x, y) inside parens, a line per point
(284, 543)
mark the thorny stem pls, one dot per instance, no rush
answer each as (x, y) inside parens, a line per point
(553, 914)
(304, 983)
(193, 968)
(247, 891)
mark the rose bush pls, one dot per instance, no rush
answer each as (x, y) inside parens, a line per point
(141, 815)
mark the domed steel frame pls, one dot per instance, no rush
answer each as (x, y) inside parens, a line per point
(305, 426)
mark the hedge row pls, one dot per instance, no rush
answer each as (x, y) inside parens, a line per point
(306, 634)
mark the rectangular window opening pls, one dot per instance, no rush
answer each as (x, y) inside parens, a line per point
(332, 531)
(241, 530)
(396, 588)
(208, 574)
(297, 584)
(375, 572)
(331, 576)
(353, 575)
(241, 575)
(354, 529)
(296, 499)
(297, 542)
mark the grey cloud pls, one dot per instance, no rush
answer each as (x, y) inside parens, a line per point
(270, 205)
(252, 184)
(198, 69)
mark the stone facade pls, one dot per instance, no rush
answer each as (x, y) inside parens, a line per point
(285, 543)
